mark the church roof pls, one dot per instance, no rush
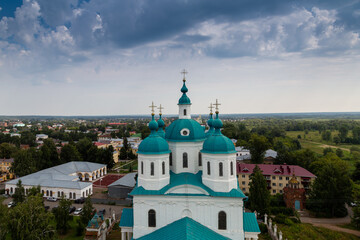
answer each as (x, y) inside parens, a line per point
(184, 228)
(184, 99)
(196, 132)
(187, 179)
(127, 218)
(250, 222)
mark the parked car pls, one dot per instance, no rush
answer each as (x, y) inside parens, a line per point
(102, 211)
(72, 209)
(11, 204)
(5, 195)
(52, 199)
(353, 204)
(78, 211)
(80, 200)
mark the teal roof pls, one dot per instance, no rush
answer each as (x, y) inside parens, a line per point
(153, 144)
(184, 229)
(217, 143)
(211, 128)
(184, 99)
(187, 179)
(127, 218)
(161, 124)
(197, 132)
(250, 222)
(94, 222)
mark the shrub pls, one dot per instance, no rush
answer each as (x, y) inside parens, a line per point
(295, 220)
(116, 226)
(288, 222)
(280, 218)
(283, 210)
(263, 228)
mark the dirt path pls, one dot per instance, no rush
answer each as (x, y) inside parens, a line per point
(338, 229)
(322, 145)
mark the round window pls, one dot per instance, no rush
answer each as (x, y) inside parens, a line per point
(185, 132)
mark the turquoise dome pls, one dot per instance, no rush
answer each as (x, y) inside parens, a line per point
(185, 130)
(211, 128)
(161, 124)
(153, 144)
(184, 99)
(217, 143)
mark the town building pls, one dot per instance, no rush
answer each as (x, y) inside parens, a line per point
(123, 186)
(71, 180)
(243, 154)
(277, 176)
(187, 184)
(5, 173)
(294, 196)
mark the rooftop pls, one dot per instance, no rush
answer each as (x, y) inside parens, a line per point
(128, 180)
(127, 218)
(274, 169)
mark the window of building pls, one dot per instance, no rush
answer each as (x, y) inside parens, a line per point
(243, 176)
(243, 182)
(231, 168)
(184, 112)
(280, 191)
(152, 169)
(243, 189)
(208, 168)
(280, 178)
(222, 221)
(74, 195)
(273, 177)
(274, 184)
(70, 195)
(58, 194)
(221, 173)
(170, 159)
(185, 160)
(274, 191)
(280, 184)
(152, 218)
(47, 192)
(142, 167)
(200, 159)
(287, 184)
(287, 178)
(163, 168)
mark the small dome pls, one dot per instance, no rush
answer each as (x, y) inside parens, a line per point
(217, 143)
(153, 144)
(184, 99)
(161, 124)
(211, 128)
(185, 130)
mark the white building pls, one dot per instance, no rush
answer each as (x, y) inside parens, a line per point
(41, 136)
(187, 184)
(71, 180)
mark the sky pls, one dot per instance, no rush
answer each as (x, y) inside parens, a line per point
(95, 57)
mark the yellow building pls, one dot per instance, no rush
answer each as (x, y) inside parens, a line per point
(277, 176)
(5, 165)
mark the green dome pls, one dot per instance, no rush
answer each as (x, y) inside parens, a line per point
(153, 144)
(184, 98)
(211, 128)
(217, 143)
(185, 130)
(161, 124)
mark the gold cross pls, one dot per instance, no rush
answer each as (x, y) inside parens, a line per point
(211, 108)
(160, 108)
(152, 108)
(184, 72)
(217, 104)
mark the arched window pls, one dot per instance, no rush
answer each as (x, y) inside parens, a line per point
(221, 173)
(222, 220)
(184, 112)
(170, 159)
(152, 169)
(163, 168)
(208, 168)
(185, 160)
(74, 195)
(70, 195)
(152, 218)
(58, 194)
(42, 191)
(47, 192)
(200, 160)
(231, 168)
(142, 167)
(11, 190)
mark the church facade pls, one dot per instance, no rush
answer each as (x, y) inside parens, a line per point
(187, 186)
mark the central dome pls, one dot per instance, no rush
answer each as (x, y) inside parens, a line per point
(185, 130)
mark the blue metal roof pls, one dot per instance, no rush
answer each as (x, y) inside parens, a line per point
(127, 218)
(187, 179)
(250, 222)
(184, 229)
(196, 131)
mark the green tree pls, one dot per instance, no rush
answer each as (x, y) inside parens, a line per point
(356, 174)
(34, 191)
(326, 135)
(355, 219)
(259, 195)
(343, 131)
(29, 220)
(49, 155)
(257, 146)
(3, 219)
(87, 212)
(25, 162)
(19, 195)
(83, 146)
(126, 152)
(339, 153)
(69, 153)
(62, 215)
(327, 150)
(7, 150)
(332, 187)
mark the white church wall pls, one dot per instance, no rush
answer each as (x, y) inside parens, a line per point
(214, 181)
(202, 209)
(192, 149)
(181, 111)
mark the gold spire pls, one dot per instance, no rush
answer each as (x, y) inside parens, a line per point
(152, 108)
(211, 108)
(217, 104)
(184, 72)
(160, 108)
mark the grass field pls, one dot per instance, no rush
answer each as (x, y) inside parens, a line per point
(305, 231)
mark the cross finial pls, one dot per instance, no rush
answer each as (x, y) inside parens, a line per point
(152, 108)
(160, 108)
(211, 108)
(184, 72)
(217, 104)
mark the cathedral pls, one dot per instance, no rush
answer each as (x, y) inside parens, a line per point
(187, 186)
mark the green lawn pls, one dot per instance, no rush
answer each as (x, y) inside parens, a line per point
(305, 231)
